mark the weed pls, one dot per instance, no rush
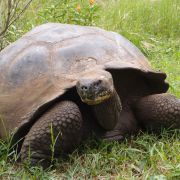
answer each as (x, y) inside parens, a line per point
(153, 26)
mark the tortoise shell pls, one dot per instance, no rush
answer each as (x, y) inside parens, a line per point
(42, 65)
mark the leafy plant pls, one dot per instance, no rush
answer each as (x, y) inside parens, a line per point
(10, 11)
(71, 12)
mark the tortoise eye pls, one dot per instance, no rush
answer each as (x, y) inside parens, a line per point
(97, 83)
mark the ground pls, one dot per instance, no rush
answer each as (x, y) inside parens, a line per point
(153, 26)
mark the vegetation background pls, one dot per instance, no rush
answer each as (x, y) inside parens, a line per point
(154, 27)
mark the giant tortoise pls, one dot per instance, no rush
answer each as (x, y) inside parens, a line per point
(59, 83)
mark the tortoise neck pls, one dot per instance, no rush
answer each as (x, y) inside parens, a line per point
(108, 112)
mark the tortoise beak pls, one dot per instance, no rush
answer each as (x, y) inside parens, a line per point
(97, 100)
(93, 93)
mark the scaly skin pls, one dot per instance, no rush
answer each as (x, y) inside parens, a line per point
(158, 111)
(63, 122)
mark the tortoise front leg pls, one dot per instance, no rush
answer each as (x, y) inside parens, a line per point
(57, 131)
(111, 118)
(158, 111)
(108, 112)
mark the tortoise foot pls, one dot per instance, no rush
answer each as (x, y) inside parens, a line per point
(114, 135)
(159, 111)
(58, 131)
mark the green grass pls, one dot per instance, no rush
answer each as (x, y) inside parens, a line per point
(154, 26)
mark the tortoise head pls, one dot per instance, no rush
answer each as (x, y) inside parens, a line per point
(95, 87)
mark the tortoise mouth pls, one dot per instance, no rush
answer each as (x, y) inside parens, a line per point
(97, 98)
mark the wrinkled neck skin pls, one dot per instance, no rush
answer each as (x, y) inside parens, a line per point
(108, 112)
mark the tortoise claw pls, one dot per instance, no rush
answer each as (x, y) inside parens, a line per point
(114, 135)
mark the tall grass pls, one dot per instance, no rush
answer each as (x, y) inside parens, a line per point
(151, 17)
(154, 26)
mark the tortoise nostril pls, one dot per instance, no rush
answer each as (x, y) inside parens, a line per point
(84, 88)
